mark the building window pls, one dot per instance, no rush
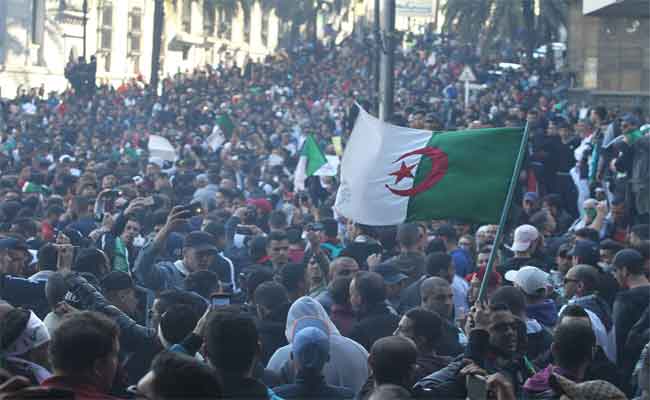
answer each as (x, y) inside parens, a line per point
(186, 53)
(224, 27)
(186, 16)
(106, 33)
(134, 40)
(265, 28)
(209, 19)
(247, 27)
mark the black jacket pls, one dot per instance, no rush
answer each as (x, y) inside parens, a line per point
(312, 389)
(538, 343)
(377, 322)
(361, 250)
(139, 344)
(272, 336)
(448, 383)
(516, 263)
(244, 388)
(628, 309)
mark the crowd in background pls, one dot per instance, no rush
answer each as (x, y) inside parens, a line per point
(123, 274)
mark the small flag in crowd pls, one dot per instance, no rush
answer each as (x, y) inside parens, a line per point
(226, 125)
(311, 160)
(31, 187)
(392, 174)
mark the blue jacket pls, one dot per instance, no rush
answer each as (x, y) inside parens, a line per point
(164, 275)
(158, 276)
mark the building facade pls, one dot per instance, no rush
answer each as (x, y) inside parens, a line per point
(39, 37)
(609, 51)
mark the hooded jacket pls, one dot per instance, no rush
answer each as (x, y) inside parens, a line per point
(348, 364)
(545, 312)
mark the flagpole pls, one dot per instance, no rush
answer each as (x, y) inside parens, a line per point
(504, 214)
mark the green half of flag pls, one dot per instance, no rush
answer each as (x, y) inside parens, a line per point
(313, 153)
(466, 176)
(635, 135)
(226, 125)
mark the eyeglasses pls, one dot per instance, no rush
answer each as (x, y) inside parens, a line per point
(567, 280)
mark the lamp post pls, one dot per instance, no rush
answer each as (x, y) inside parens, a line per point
(387, 66)
(85, 23)
(158, 19)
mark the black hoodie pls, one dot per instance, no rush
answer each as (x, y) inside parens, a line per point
(628, 309)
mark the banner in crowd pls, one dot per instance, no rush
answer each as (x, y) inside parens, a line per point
(161, 148)
(392, 174)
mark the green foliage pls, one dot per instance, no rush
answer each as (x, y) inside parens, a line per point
(489, 22)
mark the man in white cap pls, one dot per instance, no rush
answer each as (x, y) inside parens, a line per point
(527, 241)
(535, 284)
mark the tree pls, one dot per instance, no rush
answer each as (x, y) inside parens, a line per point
(490, 22)
(304, 12)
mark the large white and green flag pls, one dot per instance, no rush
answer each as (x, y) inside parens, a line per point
(392, 174)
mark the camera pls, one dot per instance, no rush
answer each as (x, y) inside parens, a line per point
(194, 209)
(115, 193)
(315, 226)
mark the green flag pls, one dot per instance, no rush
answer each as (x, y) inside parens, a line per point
(311, 160)
(314, 155)
(226, 125)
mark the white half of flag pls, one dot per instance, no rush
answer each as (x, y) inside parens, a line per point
(331, 168)
(366, 169)
(161, 148)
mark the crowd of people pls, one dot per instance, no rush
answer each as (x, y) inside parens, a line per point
(125, 275)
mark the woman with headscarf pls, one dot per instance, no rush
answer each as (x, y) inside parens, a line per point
(24, 342)
(348, 363)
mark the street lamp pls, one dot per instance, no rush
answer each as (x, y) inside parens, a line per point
(85, 22)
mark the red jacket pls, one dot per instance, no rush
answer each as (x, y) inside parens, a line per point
(81, 389)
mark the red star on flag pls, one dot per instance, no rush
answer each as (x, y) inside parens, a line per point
(403, 172)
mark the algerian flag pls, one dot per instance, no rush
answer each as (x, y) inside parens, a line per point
(630, 136)
(391, 174)
(31, 187)
(216, 139)
(225, 124)
(311, 160)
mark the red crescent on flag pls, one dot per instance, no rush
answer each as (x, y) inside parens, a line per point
(439, 166)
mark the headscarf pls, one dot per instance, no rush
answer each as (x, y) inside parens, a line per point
(34, 335)
(307, 307)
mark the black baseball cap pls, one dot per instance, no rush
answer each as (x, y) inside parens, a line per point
(116, 280)
(11, 243)
(390, 273)
(587, 251)
(201, 241)
(446, 230)
(628, 258)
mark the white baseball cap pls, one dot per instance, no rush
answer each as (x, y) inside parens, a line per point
(525, 235)
(530, 279)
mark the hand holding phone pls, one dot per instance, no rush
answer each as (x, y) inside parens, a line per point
(219, 300)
